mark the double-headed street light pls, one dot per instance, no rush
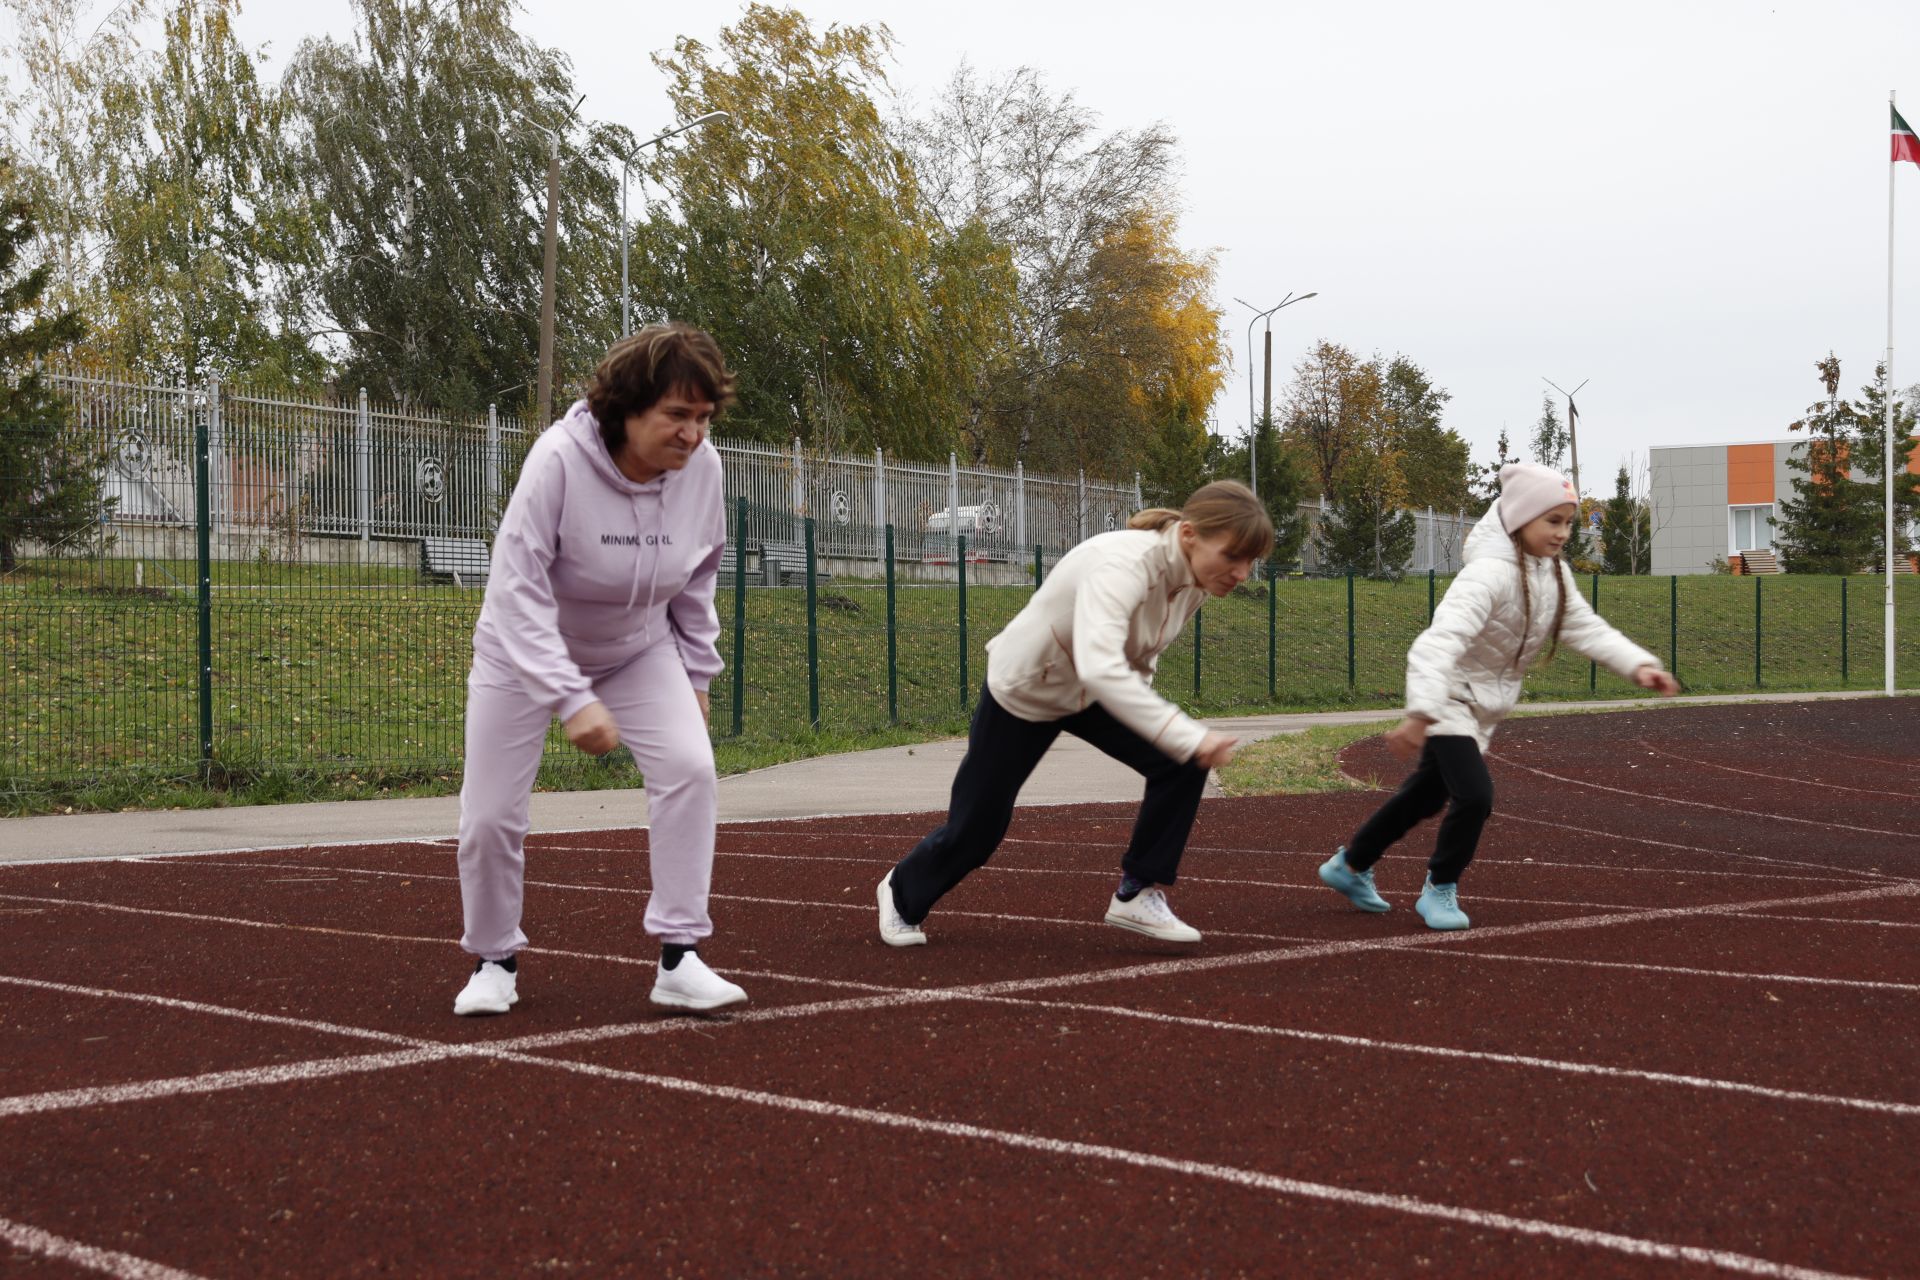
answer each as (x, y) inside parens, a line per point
(1253, 425)
(626, 317)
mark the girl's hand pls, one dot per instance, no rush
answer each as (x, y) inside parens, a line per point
(1407, 738)
(591, 729)
(1655, 678)
(706, 706)
(1215, 750)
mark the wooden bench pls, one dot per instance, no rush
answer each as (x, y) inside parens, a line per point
(792, 559)
(463, 561)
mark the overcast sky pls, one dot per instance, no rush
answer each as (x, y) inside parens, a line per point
(1683, 202)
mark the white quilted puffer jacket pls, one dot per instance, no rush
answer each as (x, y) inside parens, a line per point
(1461, 672)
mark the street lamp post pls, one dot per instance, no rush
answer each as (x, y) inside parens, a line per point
(626, 311)
(1573, 430)
(1253, 426)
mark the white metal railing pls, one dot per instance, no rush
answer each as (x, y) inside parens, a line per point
(318, 466)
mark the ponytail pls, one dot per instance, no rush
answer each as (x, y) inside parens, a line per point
(1526, 602)
(1153, 519)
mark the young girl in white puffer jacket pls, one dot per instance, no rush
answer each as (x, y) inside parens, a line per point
(1464, 674)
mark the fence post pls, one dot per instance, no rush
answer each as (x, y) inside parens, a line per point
(1139, 503)
(1429, 597)
(960, 563)
(1756, 631)
(953, 499)
(1350, 665)
(219, 501)
(1843, 631)
(1196, 653)
(1273, 625)
(363, 466)
(739, 615)
(1020, 510)
(880, 492)
(203, 542)
(1080, 533)
(799, 495)
(893, 640)
(1037, 565)
(1673, 626)
(491, 516)
(813, 634)
(1593, 668)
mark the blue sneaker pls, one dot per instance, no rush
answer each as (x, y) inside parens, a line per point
(1357, 886)
(1439, 906)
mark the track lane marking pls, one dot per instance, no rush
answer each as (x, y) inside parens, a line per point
(1068, 1150)
(1774, 777)
(112, 1262)
(1659, 799)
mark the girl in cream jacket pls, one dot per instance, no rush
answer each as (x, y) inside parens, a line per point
(1464, 674)
(1080, 658)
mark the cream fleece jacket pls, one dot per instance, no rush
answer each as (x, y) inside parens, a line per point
(1461, 671)
(1094, 633)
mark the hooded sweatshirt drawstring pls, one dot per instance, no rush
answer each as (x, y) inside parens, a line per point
(659, 495)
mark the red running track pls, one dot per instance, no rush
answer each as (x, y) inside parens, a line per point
(1680, 1039)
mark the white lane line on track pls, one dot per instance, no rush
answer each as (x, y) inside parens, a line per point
(1860, 984)
(1483, 864)
(1318, 890)
(367, 935)
(1349, 1197)
(1087, 922)
(1071, 1150)
(224, 1011)
(1298, 948)
(1659, 799)
(1423, 941)
(1157, 969)
(1882, 924)
(966, 993)
(1841, 874)
(1559, 1065)
(87, 859)
(123, 1266)
(1847, 755)
(1774, 777)
(1588, 835)
(881, 998)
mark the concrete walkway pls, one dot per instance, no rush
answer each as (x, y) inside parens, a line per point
(912, 779)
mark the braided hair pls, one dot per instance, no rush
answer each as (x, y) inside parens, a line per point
(1526, 600)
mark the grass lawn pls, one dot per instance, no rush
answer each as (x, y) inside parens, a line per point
(324, 691)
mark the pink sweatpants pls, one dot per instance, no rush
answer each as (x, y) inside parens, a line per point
(653, 703)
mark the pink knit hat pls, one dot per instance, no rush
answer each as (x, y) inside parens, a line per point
(1528, 491)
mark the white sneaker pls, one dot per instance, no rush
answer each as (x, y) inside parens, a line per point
(691, 985)
(489, 990)
(894, 931)
(1149, 913)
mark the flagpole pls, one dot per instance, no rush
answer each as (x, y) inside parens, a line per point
(1892, 165)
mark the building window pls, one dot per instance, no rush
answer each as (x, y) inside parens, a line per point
(1752, 528)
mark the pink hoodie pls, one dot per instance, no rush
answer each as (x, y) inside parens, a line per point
(590, 568)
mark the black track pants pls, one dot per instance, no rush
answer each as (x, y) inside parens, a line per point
(1451, 769)
(1002, 752)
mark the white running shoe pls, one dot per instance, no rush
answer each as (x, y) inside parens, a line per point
(489, 990)
(691, 985)
(895, 931)
(1149, 913)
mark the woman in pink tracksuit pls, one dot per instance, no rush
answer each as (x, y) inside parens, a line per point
(599, 611)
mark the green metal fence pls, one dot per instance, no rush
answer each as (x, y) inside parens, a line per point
(161, 651)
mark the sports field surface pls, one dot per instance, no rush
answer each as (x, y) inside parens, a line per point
(1682, 1038)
